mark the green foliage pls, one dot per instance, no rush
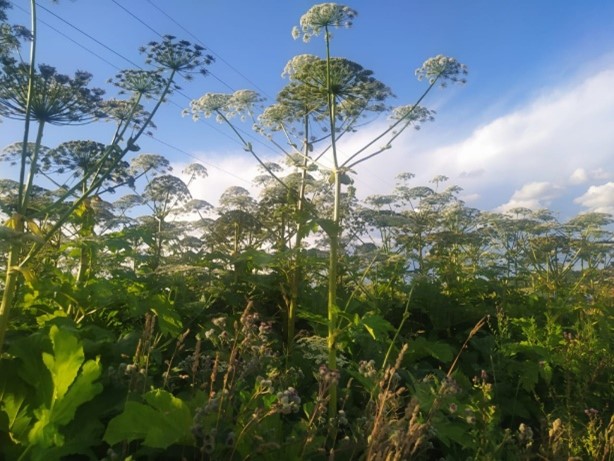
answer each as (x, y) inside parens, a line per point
(54, 385)
(298, 324)
(160, 422)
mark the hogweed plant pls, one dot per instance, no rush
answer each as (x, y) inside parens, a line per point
(39, 94)
(334, 94)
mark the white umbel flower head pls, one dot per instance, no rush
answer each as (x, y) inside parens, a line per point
(323, 16)
(443, 69)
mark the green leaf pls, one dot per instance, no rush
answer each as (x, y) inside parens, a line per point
(528, 375)
(169, 320)
(315, 318)
(65, 361)
(376, 325)
(44, 433)
(18, 422)
(83, 390)
(162, 423)
(328, 226)
(421, 347)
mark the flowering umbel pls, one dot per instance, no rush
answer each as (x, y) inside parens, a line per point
(180, 56)
(223, 105)
(443, 69)
(147, 83)
(56, 98)
(323, 16)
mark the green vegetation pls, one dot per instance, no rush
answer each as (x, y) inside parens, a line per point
(300, 324)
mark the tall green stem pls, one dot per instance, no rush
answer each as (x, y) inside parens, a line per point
(26, 129)
(18, 219)
(297, 269)
(334, 233)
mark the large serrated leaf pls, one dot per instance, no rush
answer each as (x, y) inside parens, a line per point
(169, 320)
(65, 361)
(376, 325)
(165, 421)
(83, 390)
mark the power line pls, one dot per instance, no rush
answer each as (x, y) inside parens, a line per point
(198, 158)
(89, 36)
(70, 39)
(135, 17)
(175, 148)
(206, 46)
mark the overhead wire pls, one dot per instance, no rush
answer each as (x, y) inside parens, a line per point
(67, 37)
(207, 46)
(134, 16)
(145, 24)
(177, 149)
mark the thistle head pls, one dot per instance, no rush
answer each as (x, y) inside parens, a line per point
(442, 68)
(323, 16)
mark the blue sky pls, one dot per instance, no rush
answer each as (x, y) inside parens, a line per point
(534, 126)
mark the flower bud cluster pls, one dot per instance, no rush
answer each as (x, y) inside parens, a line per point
(525, 435)
(450, 386)
(289, 401)
(367, 369)
(328, 376)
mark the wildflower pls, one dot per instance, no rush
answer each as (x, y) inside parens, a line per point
(413, 113)
(129, 111)
(442, 68)
(178, 56)
(525, 435)
(450, 386)
(555, 429)
(57, 99)
(453, 407)
(219, 322)
(323, 16)
(265, 385)
(289, 401)
(367, 369)
(147, 83)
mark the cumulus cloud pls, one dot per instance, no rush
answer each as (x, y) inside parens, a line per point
(598, 198)
(579, 176)
(237, 169)
(529, 157)
(534, 195)
(563, 136)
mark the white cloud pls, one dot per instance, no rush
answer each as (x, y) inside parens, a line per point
(526, 158)
(563, 136)
(535, 195)
(579, 176)
(598, 198)
(236, 169)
